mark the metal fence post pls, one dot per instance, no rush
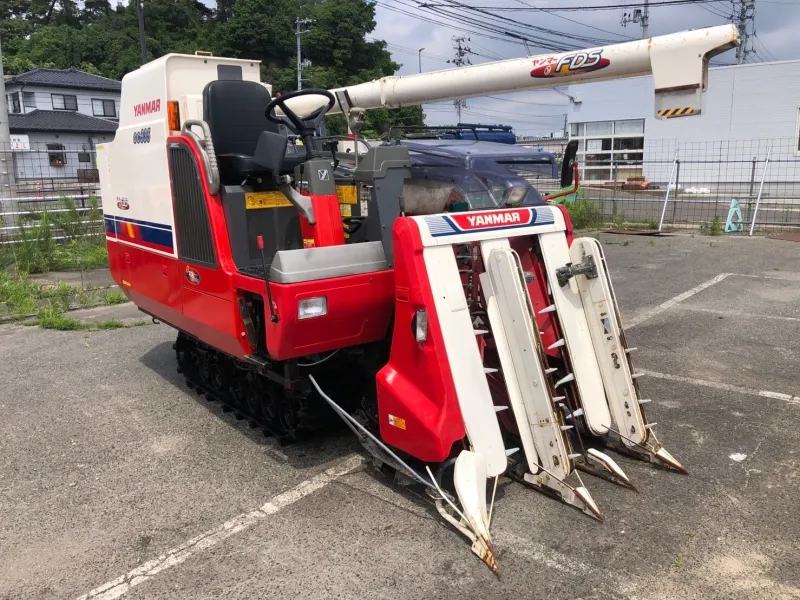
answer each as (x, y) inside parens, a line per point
(760, 189)
(752, 179)
(677, 183)
(666, 197)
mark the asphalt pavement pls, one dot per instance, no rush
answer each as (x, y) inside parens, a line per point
(116, 481)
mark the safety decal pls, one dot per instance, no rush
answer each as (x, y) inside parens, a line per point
(397, 422)
(569, 64)
(192, 276)
(122, 203)
(272, 199)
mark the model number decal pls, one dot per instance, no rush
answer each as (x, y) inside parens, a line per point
(142, 136)
(570, 64)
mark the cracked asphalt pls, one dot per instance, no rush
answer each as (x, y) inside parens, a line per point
(113, 472)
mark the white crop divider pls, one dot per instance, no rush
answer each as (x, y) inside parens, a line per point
(666, 197)
(760, 189)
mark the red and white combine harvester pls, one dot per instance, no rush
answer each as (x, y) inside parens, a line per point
(303, 281)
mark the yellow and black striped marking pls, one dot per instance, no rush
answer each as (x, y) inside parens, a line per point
(676, 112)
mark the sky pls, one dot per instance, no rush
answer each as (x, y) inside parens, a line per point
(406, 27)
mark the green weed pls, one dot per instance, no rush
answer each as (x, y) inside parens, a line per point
(115, 297)
(584, 214)
(52, 317)
(18, 296)
(712, 227)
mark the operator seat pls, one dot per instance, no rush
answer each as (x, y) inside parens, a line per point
(234, 111)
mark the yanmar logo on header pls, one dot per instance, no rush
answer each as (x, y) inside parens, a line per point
(460, 223)
(490, 220)
(147, 108)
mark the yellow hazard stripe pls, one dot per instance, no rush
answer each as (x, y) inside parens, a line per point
(676, 112)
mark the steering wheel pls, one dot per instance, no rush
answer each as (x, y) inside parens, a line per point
(302, 126)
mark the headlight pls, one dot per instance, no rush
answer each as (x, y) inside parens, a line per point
(312, 307)
(419, 324)
(515, 195)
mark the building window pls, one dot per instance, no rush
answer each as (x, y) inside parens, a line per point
(610, 150)
(13, 103)
(56, 155)
(84, 157)
(103, 108)
(28, 99)
(64, 102)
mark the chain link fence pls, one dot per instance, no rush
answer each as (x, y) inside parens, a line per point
(47, 178)
(733, 186)
(667, 184)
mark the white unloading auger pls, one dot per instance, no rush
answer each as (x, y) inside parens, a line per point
(678, 63)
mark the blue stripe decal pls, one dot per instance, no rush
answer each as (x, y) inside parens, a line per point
(164, 226)
(157, 234)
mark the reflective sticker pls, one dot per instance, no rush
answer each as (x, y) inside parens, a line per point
(346, 210)
(265, 200)
(397, 422)
(126, 283)
(346, 193)
(308, 242)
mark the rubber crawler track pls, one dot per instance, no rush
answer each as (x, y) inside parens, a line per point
(250, 396)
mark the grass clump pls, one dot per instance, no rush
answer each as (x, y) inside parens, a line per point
(712, 227)
(584, 214)
(115, 297)
(70, 239)
(51, 317)
(17, 296)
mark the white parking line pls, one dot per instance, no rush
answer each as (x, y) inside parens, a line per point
(120, 585)
(650, 313)
(737, 313)
(726, 387)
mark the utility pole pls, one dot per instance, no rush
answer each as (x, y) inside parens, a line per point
(6, 157)
(460, 59)
(744, 12)
(565, 124)
(299, 23)
(421, 119)
(640, 16)
(140, 17)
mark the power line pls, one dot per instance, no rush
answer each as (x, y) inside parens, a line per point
(574, 21)
(597, 7)
(522, 101)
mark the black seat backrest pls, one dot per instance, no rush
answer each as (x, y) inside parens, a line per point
(234, 111)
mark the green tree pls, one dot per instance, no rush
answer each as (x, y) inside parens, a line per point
(100, 38)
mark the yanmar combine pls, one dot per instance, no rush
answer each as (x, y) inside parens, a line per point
(458, 346)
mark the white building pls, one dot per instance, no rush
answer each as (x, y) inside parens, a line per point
(748, 109)
(56, 117)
